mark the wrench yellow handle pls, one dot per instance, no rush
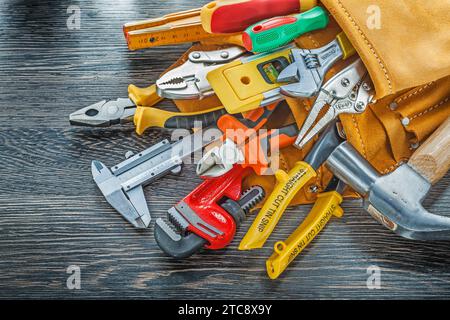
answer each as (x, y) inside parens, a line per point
(327, 205)
(289, 184)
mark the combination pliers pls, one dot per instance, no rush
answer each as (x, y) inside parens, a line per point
(187, 81)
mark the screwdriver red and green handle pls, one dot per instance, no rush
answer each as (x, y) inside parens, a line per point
(276, 32)
(261, 35)
(230, 16)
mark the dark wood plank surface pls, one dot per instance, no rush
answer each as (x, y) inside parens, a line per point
(53, 216)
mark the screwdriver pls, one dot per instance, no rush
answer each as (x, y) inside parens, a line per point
(273, 33)
(225, 16)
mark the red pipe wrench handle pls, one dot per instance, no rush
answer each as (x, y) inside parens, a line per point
(218, 226)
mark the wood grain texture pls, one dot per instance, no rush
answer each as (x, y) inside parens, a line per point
(53, 216)
(432, 159)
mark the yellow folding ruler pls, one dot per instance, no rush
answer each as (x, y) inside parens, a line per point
(175, 28)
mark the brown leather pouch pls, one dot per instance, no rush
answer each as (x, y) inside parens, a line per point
(404, 44)
(412, 92)
(408, 62)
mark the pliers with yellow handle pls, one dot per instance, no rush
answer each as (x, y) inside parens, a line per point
(138, 109)
(288, 185)
(326, 206)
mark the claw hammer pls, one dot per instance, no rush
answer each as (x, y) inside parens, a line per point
(395, 199)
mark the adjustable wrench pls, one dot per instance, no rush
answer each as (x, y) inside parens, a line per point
(307, 72)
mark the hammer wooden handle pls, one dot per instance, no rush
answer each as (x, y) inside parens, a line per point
(432, 159)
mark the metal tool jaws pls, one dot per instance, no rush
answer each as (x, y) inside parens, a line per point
(182, 83)
(394, 199)
(122, 185)
(177, 245)
(220, 159)
(350, 92)
(306, 82)
(184, 239)
(104, 113)
(188, 81)
(132, 205)
(327, 143)
(306, 74)
(184, 243)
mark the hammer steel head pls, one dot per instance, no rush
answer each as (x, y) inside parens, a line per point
(393, 199)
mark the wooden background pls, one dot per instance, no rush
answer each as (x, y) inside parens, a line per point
(52, 215)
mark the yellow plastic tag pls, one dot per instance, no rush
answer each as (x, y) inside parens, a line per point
(285, 252)
(289, 184)
(347, 48)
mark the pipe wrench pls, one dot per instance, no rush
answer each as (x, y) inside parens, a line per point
(288, 185)
(326, 206)
(208, 216)
(122, 184)
(349, 92)
(305, 76)
(123, 110)
(188, 81)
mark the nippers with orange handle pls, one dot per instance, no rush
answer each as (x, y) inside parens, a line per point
(248, 148)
